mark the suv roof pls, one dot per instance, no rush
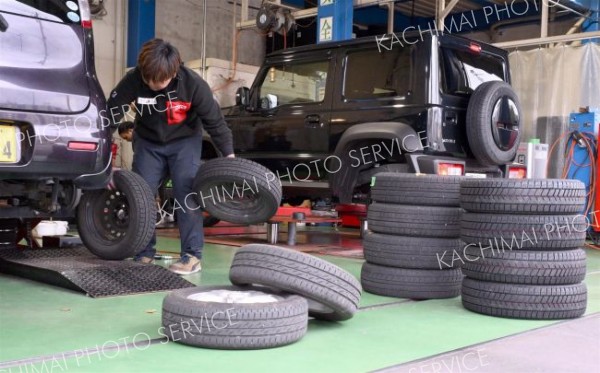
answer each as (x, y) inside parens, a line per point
(374, 39)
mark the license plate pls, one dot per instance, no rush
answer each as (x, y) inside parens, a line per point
(8, 144)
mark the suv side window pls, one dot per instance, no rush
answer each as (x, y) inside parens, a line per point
(294, 83)
(371, 74)
(50, 10)
(463, 71)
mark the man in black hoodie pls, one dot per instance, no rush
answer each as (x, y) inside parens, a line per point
(172, 105)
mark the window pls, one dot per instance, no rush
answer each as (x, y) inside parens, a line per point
(66, 11)
(371, 74)
(463, 72)
(294, 83)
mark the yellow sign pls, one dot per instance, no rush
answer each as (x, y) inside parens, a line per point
(8, 144)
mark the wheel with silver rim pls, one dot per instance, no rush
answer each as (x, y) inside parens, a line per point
(234, 318)
(117, 223)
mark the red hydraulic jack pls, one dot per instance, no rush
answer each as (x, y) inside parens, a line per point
(595, 228)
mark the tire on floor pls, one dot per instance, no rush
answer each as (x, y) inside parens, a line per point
(237, 190)
(117, 224)
(525, 267)
(412, 252)
(208, 316)
(416, 189)
(542, 197)
(411, 283)
(333, 294)
(535, 302)
(419, 221)
(523, 232)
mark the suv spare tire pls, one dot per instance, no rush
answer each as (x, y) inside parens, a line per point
(416, 189)
(117, 223)
(493, 123)
(332, 293)
(234, 318)
(526, 196)
(237, 190)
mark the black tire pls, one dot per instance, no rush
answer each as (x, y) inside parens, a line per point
(528, 196)
(535, 302)
(421, 221)
(210, 221)
(8, 233)
(410, 252)
(239, 326)
(490, 104)
(411, 283)
(416, 189)
(117, 224)
(333, 294)
(237, 190)
(525, 267)
(523, 232)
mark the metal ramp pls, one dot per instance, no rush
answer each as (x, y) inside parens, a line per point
(77, 269)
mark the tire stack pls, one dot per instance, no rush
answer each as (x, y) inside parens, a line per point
(523, 256)
(8, 233)
(414, 222)
(275, 291)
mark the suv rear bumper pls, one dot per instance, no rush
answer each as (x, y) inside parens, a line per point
(43, 152)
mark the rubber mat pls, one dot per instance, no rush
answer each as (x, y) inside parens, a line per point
(77, 269)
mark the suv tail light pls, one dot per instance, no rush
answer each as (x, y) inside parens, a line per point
(86, 15)
(450, 169)
(517, 172)
(475, 48)
(80, 145)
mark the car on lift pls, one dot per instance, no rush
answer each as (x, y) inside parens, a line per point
(325, 118)
(55, 136)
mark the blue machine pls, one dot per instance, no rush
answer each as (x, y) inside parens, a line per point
(583, 128)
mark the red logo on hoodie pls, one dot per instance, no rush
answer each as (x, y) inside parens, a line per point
(177, 111)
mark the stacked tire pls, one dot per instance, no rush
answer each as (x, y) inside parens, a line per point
(523, 256)
(414, 222)
(275, 291)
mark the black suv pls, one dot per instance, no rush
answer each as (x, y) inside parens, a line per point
(332, 115)
(55, 139)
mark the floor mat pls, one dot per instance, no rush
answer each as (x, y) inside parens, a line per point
(77, 269)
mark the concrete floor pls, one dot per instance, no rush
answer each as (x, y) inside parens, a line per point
(49, 329)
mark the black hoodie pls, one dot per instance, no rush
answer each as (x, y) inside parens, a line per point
(181, 110)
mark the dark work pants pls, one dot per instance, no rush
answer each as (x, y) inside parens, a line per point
(180, 159)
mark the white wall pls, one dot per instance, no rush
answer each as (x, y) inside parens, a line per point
(110, 39)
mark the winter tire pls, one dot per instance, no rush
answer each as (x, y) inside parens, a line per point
(332, 293)
(237, 190)
(233, 318)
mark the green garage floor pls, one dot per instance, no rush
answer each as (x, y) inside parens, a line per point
(48, 329)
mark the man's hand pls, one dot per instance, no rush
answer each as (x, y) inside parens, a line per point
(231, 156)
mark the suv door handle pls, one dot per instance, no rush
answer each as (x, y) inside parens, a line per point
(313, 121)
